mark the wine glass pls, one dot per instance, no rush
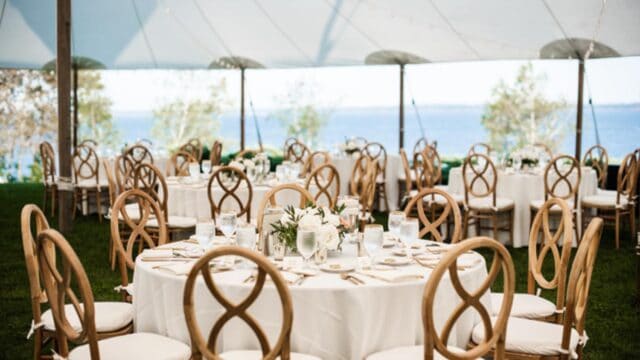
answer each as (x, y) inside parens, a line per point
(227, 224)
(373, 237)
(306, 243)
(517, 163)
(246, 237)
(393, 222)
(205, 232)
(281, 173)
(409, 231)
(349, 218)
(206, 166)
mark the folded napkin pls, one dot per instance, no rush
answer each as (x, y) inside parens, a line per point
(156, 254)
(176, 268)
(393, 276)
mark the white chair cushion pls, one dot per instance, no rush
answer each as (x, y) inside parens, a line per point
(408, 352)
(91, 184)
(604, 201)
(132, 210)
(256, 355)
(525, 306)
(537, 204)
(532, 337)
(175, 222)
(486, 203)
(110, 316)
(139, 346)
(607, 192)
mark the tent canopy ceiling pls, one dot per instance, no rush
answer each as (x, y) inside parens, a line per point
(183, 34)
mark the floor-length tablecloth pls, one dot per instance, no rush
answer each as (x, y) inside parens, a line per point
(333, 318)
(523, 188)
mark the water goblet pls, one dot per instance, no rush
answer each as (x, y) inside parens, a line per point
(246, 237)
(306, 243)
(393, 222)
(409, 231)
(372, 238)
(227, 224)
(206, 166)
(205, 232)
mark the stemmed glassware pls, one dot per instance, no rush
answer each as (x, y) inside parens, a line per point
(306, 243)
(205, 232)
(373, 237)
(206, 166)
(394, 221)
(246, 237)
(349, 218)
(409, 231)
(227, 224)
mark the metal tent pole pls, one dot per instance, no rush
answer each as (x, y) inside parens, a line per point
(579, 110)
(75, 105)
(63, 64)
(242, 134)
(401, 120)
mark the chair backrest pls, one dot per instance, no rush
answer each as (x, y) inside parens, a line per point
(406, 168)
(479, 148)
(424, 170)
(287, 142)
(378, 153)
(48, 163)
(270, 199)
(30, 213)
(324, 178)
(86, 165)
(580, 283)
(627, 178)
(111, 182)
(428, 204)
(207, 346)
(65, 281)
(480, 177)
(193, 147)
(598, 159)
(148, 178)
(138, 154)
(298, 153)
(89, 142)
(138, 235)
(315, 160)
(363, 181)
(238, 182)
(543, 240)
(437, 338)
(545, 148)
(562, 178)
(420, 144)
(215, 155)
(180, 163)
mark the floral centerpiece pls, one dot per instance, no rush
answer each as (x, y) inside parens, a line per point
(243, 164)
(326, 221)
(526, 157)
(350, 147)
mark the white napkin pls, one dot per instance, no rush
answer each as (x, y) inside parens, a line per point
(394, 276)
(289, 277)
(176, 268)
(468, 260)
(156, 253)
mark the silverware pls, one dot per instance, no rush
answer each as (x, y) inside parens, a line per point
(250, 278)
(349, 277)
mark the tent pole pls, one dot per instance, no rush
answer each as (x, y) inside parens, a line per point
(242, 135)
(401, 123)
(63, 64)
(579, 110)
(75, 106)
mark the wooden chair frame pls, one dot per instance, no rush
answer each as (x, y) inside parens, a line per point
(431, 153)
(598, 159)
(378, 153)
(138, 154)
(626, 188)
(310, 165)
(324, 178)
(206, 347)
(494, 333)
(86, 166)
(298, 153)
(180, 163)
(270, 199)
(479, 148)
(479, 173)
(89, 142)
(215, 155)
(424, 171)
(47, 156)
(427, 198)
(420, 145)
(544, 147)
(363, 184)
(229, 191)
(408, 182)
(193, 147)
(544, 240)
(287, 142)
(123, 169)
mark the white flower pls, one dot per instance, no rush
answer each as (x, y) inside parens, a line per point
(310, 221)
(332, 219)
(248, 164)
(237, 164)
(329, 236)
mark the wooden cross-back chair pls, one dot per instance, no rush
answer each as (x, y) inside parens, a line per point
(65, 280)
(215, 155)
(326, 181)
(424, 171)
(598, 159)
(612, 208)
(363, 184)
(480, 199)
(287, 142)
(271, 200)
(123, 168)
(566, 339)
(420, 144)
(239, 187)
(297, 153)
(47, 156)
(431, 153)
(193, 147)
(545, 241)
(479, 148)
(86, 177)
(89, 142)
(138, 154)
(377, 152)
(206, 347)
(437, 338)
(139, 234)
(406, 183)
(434, 208)
(545, 148)
(179, 164)
(315, 160)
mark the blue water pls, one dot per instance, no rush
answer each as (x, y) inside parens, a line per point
(454, 127)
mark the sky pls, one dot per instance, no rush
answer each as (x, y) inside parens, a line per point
(611, 81)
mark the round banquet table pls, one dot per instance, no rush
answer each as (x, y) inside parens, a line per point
(332, 317)
(523, 188)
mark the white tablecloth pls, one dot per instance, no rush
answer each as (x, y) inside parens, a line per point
(523, 188)
(333, 318)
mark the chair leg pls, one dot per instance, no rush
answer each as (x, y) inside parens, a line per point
(632, 222)
(44, 200)
(99, 205)
(494, 222)
(465, 224)
(512, 215)
(617, 229)
(37, 344)
(54, 195)
(75, 204)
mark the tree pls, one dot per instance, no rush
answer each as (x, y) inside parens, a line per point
(94, 111)
(179, 120)
(519, 114)
(28, 114)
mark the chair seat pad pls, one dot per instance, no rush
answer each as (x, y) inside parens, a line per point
(132, 210)
(604, 201)
(525, 306)
(110, 316)
(531, 337)
(486, 203)
(139, 346)
(409, 352)
(607, 192)
(175, 222)
(90, 184)
(256, 355)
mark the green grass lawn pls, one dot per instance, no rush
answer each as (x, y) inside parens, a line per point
(613, 321)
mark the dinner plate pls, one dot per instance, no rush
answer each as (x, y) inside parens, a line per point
(394, 261)
(336, 267)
